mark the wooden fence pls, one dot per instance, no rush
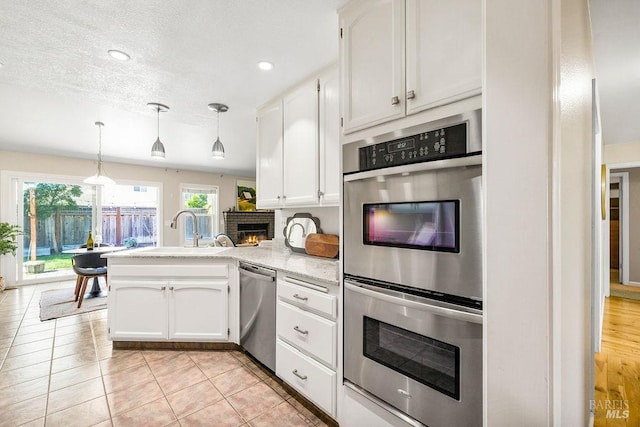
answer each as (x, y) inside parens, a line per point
(72, 230)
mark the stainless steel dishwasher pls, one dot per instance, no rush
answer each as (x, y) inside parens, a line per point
(258, 313)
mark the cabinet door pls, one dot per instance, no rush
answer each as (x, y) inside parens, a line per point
(198, 310)
(330, 138)
(372, 63)
(138, 310)
(301, 145)
(269, 156)
(444, 52)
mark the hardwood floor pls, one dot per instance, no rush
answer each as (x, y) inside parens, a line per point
(617, 366)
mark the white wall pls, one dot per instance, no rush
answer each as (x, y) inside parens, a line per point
(573, 359)
(622, 153)
(170, 179)
(537, 180)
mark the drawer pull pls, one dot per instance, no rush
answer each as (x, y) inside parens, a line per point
(296, 296)
(297, 329)
(302, 377)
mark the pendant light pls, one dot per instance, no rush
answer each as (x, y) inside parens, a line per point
(217, 152)
(99, 178)
(157, 150)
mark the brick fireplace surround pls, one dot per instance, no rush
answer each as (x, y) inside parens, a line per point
(232, 219)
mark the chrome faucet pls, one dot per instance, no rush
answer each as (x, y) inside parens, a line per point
(304, 232)
(174, 225)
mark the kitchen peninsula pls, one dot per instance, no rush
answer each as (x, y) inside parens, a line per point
(182, 294)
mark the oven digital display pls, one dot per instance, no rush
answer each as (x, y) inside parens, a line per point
(429, 361)
(429, 225)
(405, 144)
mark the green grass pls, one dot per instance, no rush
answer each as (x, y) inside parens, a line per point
(55, 262)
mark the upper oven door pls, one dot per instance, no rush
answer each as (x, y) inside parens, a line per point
(417, 225)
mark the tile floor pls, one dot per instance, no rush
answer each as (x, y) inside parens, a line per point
(64, 372)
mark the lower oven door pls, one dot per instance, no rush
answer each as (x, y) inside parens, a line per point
(424, 359)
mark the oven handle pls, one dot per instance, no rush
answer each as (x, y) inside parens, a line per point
(384, 295)
(474, 160)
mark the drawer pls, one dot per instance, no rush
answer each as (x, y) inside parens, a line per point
(310, 333)
(296, 292)
(316, 382)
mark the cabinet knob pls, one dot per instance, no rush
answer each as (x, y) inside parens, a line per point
(320, 194)
(162, 288)
(284, 197)
(411, 94)
(278, 197)
(395, 100)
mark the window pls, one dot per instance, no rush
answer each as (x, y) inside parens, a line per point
(128, 215)
(202, 200)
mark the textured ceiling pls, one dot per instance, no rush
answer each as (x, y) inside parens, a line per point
(616, 40)
(58, 79)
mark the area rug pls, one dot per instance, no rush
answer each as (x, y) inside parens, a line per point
(60, 303)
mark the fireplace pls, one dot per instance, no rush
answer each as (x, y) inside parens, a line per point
(249, 228)
(252, 233)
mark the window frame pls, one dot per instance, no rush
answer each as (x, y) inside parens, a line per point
(215, 211)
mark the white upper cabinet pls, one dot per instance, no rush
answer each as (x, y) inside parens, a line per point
(372, 63)
(301, 145)
(444, 52)
(329, 117)
(435, 45)
(269, 156)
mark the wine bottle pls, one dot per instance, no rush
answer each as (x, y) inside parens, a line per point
(90, 242)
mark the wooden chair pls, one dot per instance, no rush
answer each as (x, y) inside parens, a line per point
(86, 266)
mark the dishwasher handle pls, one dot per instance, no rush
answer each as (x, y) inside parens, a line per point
(258, 276)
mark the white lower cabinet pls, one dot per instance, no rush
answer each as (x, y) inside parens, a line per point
(198, 311)
(310, 378)
(310, 333)
(137, 310)
(307, 333)
(170, 307)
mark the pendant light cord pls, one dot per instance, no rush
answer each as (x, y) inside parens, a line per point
(158, 108)
(99, 150)
(218, 130)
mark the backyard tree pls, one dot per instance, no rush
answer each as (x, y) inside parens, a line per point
(198, 201)
(51, 199)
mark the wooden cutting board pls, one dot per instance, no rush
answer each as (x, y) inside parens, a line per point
(324, 245)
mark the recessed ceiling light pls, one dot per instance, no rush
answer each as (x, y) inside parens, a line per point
(119, 55)
(265, 65)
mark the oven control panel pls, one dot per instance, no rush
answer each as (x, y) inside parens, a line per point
(426, 146)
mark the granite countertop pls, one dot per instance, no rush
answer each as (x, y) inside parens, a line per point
(278, 258)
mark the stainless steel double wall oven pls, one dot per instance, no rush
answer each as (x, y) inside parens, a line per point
(413, 270)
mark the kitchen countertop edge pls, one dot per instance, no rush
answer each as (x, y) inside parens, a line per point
(282, 259)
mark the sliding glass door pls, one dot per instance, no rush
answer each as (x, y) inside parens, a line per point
(57, 216)
(57, 213)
